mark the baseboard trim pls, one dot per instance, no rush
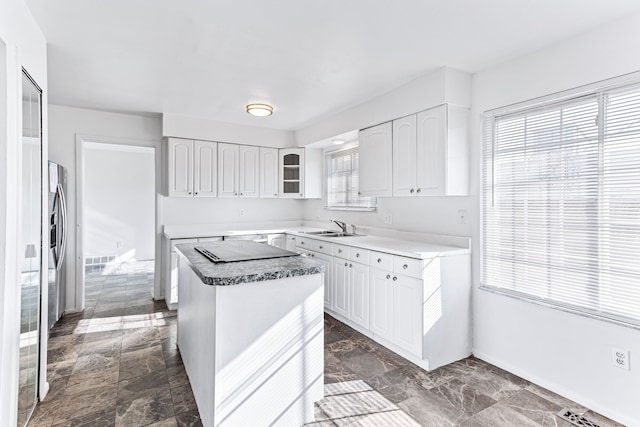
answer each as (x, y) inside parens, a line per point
(543, 382)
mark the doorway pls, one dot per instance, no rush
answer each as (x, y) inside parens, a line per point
(117, 213)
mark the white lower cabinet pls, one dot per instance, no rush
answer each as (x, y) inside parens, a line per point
(340, 284)
(381, 301)
(351, 290)
(407, 314)
(396, 309)
(328, 291)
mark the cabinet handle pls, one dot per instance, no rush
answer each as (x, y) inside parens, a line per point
(379, 260)
(350, 265)
(418, 190)
(241, 194)
(395, 278)
(359, 193)
(388, 276)
(189, 192)
(411, 191)
(313, 254)
(339, 251)
(196, 193)
(405, 266)
(302, 243)
(358, 255)
(346, 264)
(320, 247)
(275, 194)
(300, 194)
(235, 194)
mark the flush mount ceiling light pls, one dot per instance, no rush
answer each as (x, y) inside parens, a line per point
(260, 110)
(338, 141)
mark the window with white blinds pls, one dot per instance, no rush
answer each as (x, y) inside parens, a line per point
(342, 181)
(561, 203)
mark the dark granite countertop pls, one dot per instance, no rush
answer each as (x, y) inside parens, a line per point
(235, 273)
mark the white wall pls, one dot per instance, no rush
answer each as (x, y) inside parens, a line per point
(65, 123)
(119, 201)
(211, 130)
(436, 215)
(24, 46)
(440, 86)
(567, 353)
(185, 211)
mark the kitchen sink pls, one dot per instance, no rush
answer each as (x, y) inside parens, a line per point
(331, 233)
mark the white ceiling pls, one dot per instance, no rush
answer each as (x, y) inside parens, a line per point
(309, 59)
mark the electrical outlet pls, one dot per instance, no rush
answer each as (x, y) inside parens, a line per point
(388, 219)
(241, 212)
(620, 358)
(118, 245)
(462, 216)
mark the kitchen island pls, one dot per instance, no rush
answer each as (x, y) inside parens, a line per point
(250, 334)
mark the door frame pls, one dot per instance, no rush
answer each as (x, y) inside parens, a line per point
(81, 141)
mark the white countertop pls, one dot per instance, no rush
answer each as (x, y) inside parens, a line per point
(403, 243)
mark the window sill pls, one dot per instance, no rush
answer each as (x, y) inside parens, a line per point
(557, 306)
(336, 208)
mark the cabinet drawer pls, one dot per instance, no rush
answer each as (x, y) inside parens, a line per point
(175, 242)
(359, 255)
(381, 260)
(321, 246)
(341, 251)
(303, 242)
(408, 266)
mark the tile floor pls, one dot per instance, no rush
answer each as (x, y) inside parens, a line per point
(117, 364)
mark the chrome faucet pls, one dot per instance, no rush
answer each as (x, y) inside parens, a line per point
(342, 225)
(353, 226)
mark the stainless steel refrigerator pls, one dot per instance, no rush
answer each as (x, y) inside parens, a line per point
(57, 242)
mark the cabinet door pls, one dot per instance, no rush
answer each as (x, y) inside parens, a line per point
(375, 147)
(359, 294)
(327, 261)
(381, 302)
(228, 160)
(249, 171)
(291, 162)
(268, 172)
(431, 151)
(180, 173)
(205, 169)
(340, 273)
(404, 156)
(407, 314)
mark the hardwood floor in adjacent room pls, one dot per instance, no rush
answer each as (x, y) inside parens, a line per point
(117, 364)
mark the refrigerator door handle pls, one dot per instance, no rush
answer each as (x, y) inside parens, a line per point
(63, 210)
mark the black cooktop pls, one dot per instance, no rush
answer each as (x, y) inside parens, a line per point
(238, 250)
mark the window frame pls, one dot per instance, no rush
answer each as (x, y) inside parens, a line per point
(328, 153)
(600, 91)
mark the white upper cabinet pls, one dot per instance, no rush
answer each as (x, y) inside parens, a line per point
(430, 153)
(205, 162)
(228, 170)
(249, 171)
(268, 172)
(191, 168)
(431, 159)
(300, 173)
(404, 156)
(238, 170)
(375, 147)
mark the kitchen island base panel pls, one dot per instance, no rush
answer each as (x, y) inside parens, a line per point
(254, 352)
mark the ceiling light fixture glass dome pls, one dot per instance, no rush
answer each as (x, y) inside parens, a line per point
(260, 110)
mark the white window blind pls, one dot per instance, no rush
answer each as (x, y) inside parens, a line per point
(561, 204)
(342, 181)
